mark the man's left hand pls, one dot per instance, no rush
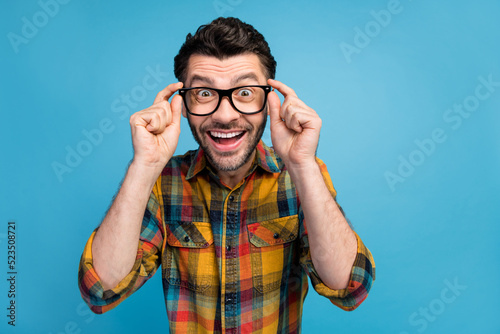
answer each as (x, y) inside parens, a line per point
(295, 127)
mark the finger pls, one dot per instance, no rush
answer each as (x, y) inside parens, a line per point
(282, 88)
(293, 117)
(154, 121)
(298, 118)
(167, 92)
(274, 104)
(176, 107)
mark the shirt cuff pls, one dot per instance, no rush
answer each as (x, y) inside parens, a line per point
(91, 289)
(360, 281)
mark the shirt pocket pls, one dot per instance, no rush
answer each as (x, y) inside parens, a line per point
(272, 251)
(189, 260)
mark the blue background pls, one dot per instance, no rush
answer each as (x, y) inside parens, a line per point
(436, 225)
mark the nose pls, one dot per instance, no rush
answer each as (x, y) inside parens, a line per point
(225, 114)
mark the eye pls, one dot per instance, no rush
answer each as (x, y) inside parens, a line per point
(204, 93)
(245, 92)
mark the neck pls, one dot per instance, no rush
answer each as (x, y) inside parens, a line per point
(233, 178)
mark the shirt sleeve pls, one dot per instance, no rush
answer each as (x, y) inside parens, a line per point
(362, 271)
(147, 261)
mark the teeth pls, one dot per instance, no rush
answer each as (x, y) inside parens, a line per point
(225, 135)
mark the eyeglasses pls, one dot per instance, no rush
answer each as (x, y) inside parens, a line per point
(204, 101)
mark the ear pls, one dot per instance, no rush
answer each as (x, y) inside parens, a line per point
(184, 113)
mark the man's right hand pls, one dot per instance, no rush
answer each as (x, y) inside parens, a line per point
(155, 134)
(156, 130)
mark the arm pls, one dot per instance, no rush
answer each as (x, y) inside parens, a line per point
(114, 247)
(101, 299)
(155, 133)
(332, 243)
(295, 132)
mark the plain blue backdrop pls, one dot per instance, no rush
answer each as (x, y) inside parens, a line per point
(409, 94)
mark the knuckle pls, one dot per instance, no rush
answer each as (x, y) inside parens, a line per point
(163, 104)
(159, 97)
(133, 118)
(296, 100)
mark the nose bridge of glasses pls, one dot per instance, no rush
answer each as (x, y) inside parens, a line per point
(226, 103)
(225, 95)
(225, 112)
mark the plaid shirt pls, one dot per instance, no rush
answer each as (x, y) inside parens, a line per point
(233, 260)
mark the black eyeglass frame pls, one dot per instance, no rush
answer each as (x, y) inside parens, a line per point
(225, 92)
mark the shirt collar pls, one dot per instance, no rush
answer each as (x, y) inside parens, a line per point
(264, 158)
(267, 159)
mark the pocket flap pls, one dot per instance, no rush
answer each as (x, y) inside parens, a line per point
(189, 234)
(274, 231)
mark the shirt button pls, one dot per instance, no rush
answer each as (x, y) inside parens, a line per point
(230, 297)
(276, 236)
(228, 248)
(231, 198)
(186, 238)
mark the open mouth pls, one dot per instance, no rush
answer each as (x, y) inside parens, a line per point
(226, 138)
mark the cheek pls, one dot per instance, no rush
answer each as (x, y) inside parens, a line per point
(257, 120)
(191, 119)
(194, 124)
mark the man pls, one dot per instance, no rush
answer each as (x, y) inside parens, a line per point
(236, 226)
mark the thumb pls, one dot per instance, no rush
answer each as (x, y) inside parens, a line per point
(274, 107)
(176, 108)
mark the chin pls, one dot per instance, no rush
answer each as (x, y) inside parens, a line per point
(229, 162)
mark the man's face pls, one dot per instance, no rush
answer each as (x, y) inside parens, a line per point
(227, 137)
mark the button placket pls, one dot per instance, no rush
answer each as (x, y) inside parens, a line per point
(232, 231)
(231, 220)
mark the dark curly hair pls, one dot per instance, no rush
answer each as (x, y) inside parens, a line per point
(222, 38)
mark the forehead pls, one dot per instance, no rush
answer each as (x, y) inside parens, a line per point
(225, 72)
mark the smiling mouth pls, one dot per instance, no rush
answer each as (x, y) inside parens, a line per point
(226, 138)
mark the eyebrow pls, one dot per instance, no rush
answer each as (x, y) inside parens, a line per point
(206, 80)
(234, 81)
(245, 76)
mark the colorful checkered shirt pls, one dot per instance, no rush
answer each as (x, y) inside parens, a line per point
(233, 260)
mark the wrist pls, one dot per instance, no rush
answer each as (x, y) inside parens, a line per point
(302, 168)
(147, 165)
(305, 174)
(144, 174)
